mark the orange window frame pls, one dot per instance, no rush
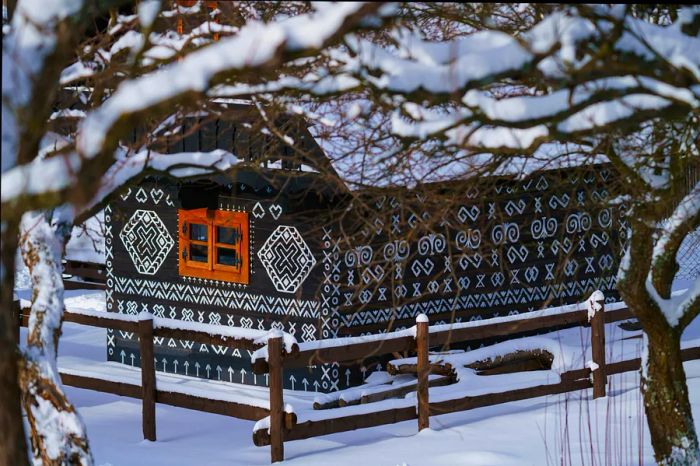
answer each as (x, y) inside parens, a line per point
(212, 269)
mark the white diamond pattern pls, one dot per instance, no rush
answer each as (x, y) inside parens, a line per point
(287, 259)
(147, 241)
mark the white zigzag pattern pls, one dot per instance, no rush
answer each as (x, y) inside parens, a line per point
(226, 298)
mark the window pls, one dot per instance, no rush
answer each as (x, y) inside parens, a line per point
(214, 244)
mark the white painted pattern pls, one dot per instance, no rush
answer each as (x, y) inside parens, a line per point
(147, 241)
(191, 294)
(287, 259)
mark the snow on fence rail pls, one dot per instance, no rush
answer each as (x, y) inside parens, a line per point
(147, 327)
(276, 429)
(349, 349)
(273, 351)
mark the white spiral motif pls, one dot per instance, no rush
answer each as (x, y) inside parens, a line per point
(365, 254)
(431, 244)
(543, 227)
(604, 218)
(350, 258)
(505, 232)
(470, 239)
(396, 250)
(578, 222)
(361, 255)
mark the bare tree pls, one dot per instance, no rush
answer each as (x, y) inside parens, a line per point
(80, 177)
(612, 82)
(438, 92)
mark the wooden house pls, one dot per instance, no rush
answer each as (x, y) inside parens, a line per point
(275, 244)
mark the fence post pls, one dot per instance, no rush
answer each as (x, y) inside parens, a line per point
(148, 376)
(596, 316)
(423, 369)
(274, 360)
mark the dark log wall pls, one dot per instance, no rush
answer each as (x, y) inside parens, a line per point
(142, 275)
(515, 247)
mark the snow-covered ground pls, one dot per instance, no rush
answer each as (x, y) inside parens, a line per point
(542, 431)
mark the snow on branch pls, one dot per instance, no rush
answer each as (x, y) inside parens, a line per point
(580, 93)
(179, 165)
(685, 218)
(686, 214)
(552, 47)
(26, 51)
(256, 46)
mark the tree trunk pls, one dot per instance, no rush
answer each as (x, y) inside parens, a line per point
(56, 431)
(666, 403)
(13, 447)
(13, 450)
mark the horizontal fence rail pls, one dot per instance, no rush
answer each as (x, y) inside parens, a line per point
(274, 351)
(79, 275)
(419, 339)
(148, 327)
(352, 349)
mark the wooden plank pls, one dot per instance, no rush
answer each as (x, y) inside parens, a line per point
(403, 390)
(423, 370)
(310, 429)
(490, 399)
(101, 385)
(89, 320)
(598, 349)
(88, 271)
(439, 368)
(274, 349)
(225, 408)
(80, 285)
(101, 321)
(690, 353)
(575, 374)
(180, 400)
(361, 351)
(113, 323)
(618, 315)
(507, 328)
(687, 354)
(611, 316)
(348, 353)
(148, 378)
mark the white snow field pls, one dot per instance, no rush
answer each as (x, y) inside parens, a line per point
(543, 431)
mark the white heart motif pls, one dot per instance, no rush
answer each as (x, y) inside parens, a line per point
(156, 195)
(275, 211)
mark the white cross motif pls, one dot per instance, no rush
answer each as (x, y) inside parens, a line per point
(147, 241)
(287, 259)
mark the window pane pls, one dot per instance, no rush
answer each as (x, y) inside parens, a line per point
(199, 253)
(198, 232)
(226, 256)
(228, 235)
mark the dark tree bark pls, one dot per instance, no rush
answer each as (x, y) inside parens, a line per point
(666, 402)
(13, 448)
(663, 382)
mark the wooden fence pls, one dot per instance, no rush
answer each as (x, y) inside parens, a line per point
(279, 428)
(147, 391)
(84, 275)
(284, 426)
